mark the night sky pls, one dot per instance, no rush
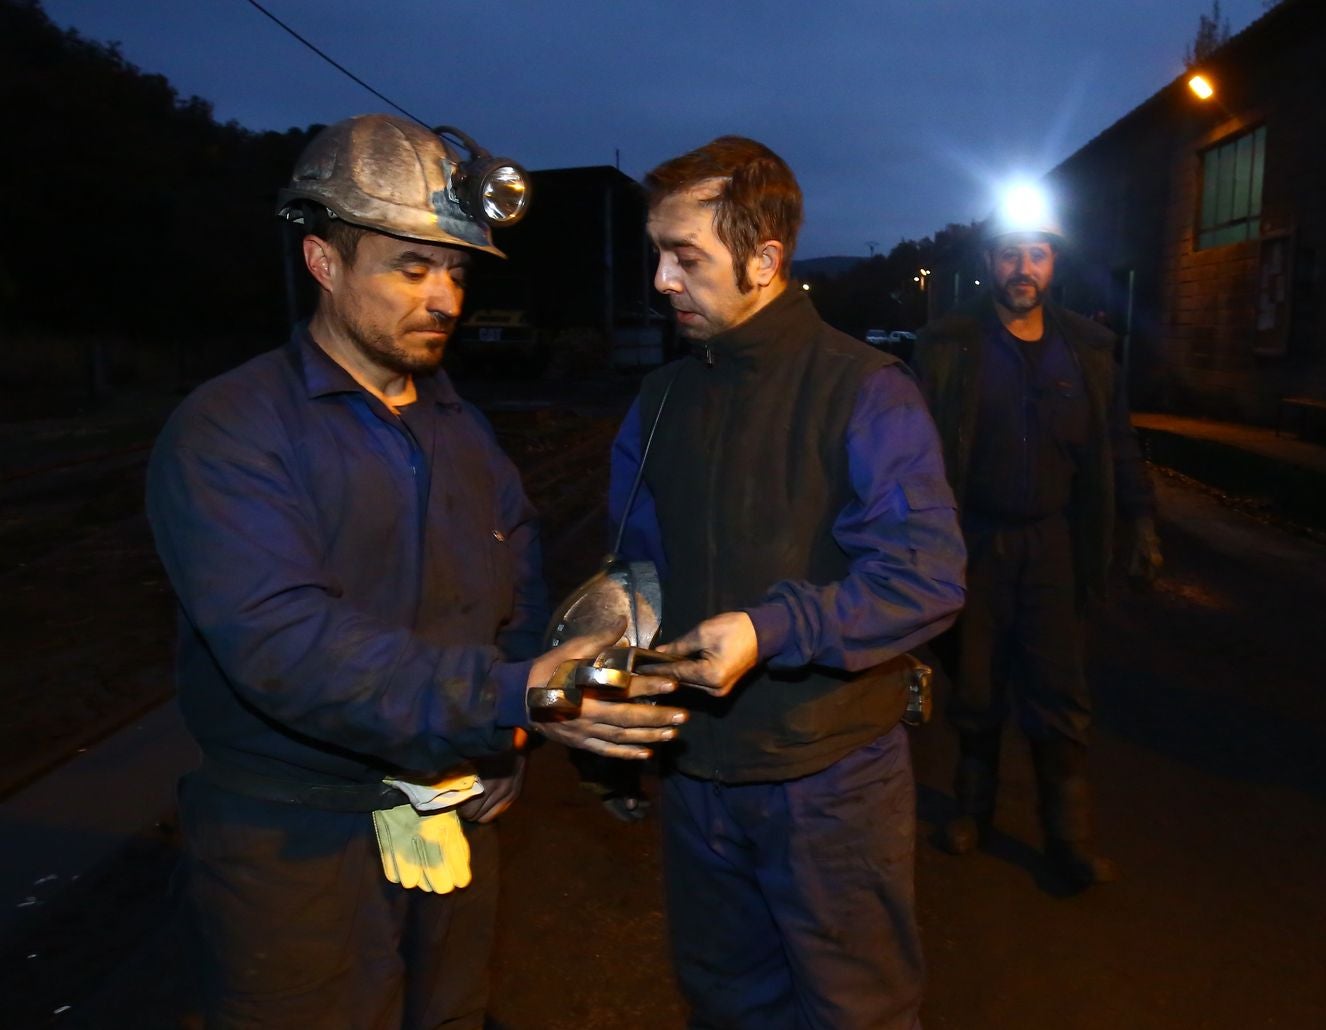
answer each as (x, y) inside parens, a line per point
(898, 116)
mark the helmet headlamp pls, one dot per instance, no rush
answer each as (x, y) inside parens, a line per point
(1024, 209)
(1025, 206)
(494, 189)
(398, 177)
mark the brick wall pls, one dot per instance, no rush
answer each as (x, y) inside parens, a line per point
(1135, 187)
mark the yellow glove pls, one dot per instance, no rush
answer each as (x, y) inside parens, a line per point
(429, 852)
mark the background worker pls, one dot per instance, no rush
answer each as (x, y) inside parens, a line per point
(795, 501)
(1040, 451)
(360, 596)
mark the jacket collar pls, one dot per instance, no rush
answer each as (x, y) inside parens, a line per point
(323, 377)
(984, 309)
(782, 326)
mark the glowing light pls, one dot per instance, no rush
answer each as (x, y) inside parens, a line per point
(805, 286)
(1026, 205)
(1201, 86)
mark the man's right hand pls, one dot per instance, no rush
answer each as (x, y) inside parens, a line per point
(614, 729)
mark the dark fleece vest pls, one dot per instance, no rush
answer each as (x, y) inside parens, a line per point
(748, 470)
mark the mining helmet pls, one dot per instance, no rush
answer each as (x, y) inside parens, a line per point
(1025, 209)
(622, 593)
(391, 174)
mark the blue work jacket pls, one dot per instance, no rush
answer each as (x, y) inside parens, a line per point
(356, 588)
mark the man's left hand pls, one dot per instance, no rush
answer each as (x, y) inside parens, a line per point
(1144, 557)
(502, 778)
(725, 648)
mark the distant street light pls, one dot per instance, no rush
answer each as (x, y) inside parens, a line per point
(805, 286)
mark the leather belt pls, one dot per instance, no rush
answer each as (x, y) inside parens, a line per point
(331, 797)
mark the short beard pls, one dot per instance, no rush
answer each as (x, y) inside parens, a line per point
(382, 350)
(1023, 305)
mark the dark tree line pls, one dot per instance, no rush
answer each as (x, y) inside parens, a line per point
(127, 209)
(883, 291)
(129, 212)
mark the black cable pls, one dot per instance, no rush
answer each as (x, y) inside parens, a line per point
(640, 469)
(339, 67)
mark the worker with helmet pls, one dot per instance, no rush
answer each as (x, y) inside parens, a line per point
(361, 606)
(1041, 454)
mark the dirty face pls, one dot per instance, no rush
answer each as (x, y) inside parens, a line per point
(398, 301)
(1022, 269)
(695, 270)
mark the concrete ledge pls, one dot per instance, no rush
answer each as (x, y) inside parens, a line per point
(1288, 474)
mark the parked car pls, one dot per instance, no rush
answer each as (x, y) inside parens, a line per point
(899, 342)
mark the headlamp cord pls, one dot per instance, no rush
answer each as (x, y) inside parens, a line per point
(640, 469)
(335, 64)
(615, 556)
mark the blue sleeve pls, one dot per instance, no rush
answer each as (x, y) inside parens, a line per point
(642, 540)
(242, 552)
(906, 580)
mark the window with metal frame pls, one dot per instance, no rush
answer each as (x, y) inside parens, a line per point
(1231, 208)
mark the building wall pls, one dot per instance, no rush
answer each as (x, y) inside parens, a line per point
(1116, 215)
(1134, 194)
(1222, 364)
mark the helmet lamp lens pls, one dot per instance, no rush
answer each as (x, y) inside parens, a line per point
(504, 194)
(1025, 207)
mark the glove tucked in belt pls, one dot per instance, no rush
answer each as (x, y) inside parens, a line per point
(425, 848)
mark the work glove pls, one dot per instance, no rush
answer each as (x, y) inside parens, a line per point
(422, 844)
(428, 852)
(1144, 557)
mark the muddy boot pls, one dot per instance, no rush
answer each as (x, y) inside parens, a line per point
(974, 788)
(1065, 809)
